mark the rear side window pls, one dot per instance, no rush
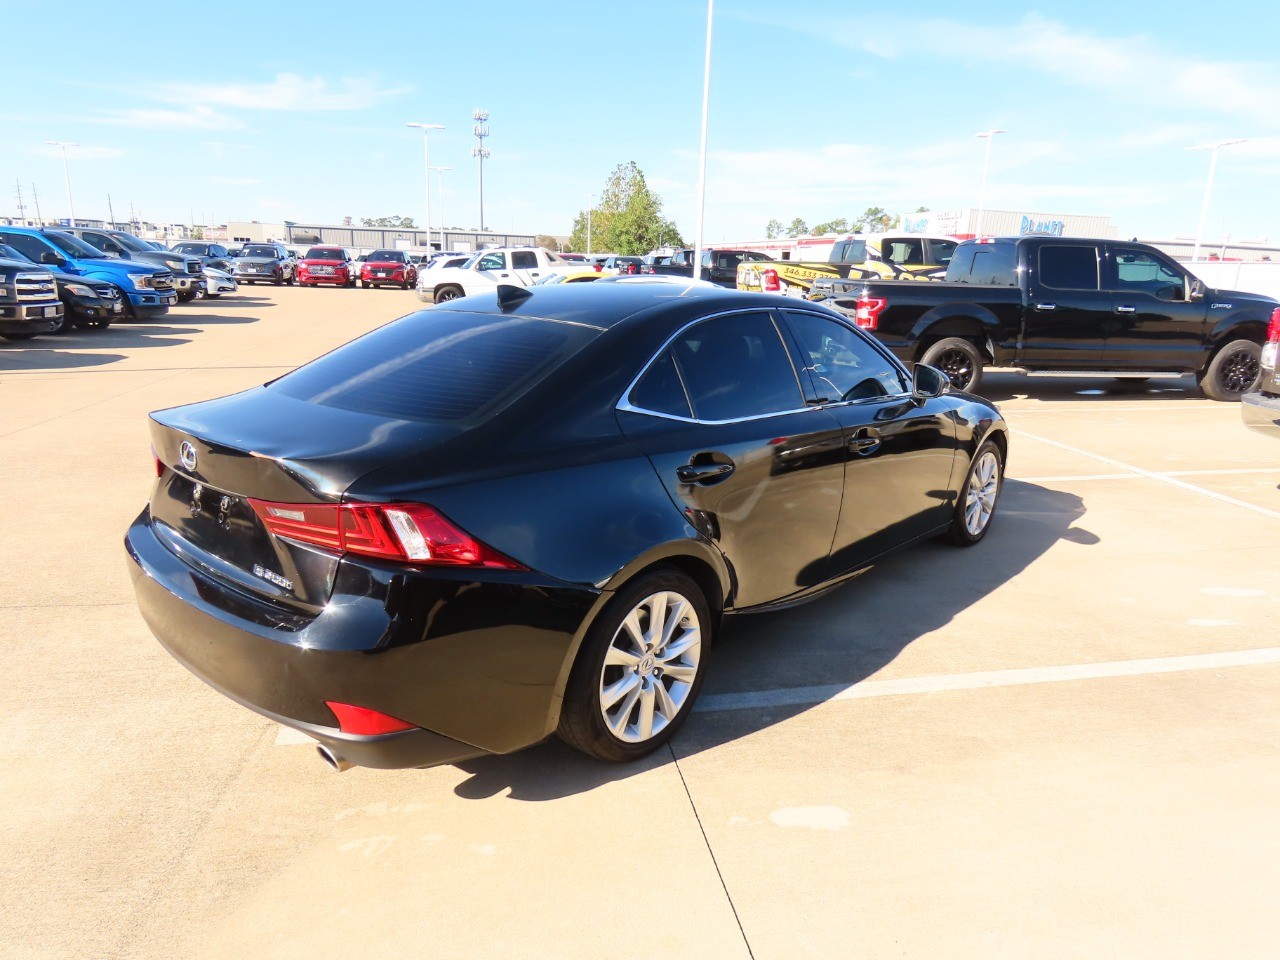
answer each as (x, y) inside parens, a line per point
(661, 390)
(1069, 267)
(436, 365)
(524, 260)
(735, 367)
(987, 263)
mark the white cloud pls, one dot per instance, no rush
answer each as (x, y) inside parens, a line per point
(195, 117)
(79, 152)
(288, 92)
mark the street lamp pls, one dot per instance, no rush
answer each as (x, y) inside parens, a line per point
(702, 150)
(1208, 186)
(591, 202)
(440, 194)
(986, 162)
(66, 173)
(426, 129)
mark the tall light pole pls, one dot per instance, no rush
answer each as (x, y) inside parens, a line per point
(702, 150)
(1208, 186)
(426, 129)
(66, 172)
(591, 202)
(481, 131)
(986, 163)
(440, 194)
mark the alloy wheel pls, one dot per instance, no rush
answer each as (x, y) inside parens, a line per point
(957, 366)
(1239, 372)
(980, 497)
(650, 667)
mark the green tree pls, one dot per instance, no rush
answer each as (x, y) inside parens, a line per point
(798, 228)
(628, 218)
(774, 229)
(839, 225)
(401, 222)
(876, 220)
(548, 241)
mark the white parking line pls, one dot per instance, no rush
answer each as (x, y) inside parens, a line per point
(792, 696)
(1172, 481)
(1137, 476)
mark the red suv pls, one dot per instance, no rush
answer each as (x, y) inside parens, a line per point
(388, 266)
(326, 265)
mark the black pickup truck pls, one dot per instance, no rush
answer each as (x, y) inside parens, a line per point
(718, 266)
(1066, 307)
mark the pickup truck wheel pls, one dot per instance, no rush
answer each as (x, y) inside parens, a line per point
(1233, 371)
(959, 360)
(978, 496)
(448, 293)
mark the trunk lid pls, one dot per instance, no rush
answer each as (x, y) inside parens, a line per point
(265, 445)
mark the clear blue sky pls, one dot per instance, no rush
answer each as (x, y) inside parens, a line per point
(818, 110)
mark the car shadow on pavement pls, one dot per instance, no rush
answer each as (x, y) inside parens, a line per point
(236, 300)
(1001, 387)
(831, 643)
(213, 319)
(30, 359)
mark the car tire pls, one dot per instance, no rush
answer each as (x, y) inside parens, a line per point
(958, 359)
(1233, 371)
(404, 286)
(979, 496)
(639, 668)
(447, 292)
(278, 281)
(65, 324)
(212, 296)
(289, 280)
(99, 323)
(19, 336)
(186, 296)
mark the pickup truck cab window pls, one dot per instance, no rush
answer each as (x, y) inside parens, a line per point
(524, 260)
(994, 264)
(1069, 266)
(842, 365)
(1140, 272)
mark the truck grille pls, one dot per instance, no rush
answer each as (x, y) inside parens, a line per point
(162, 281)
(35, 286)
(106, 292)
(195, 267)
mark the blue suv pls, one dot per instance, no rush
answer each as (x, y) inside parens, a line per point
(146, 290)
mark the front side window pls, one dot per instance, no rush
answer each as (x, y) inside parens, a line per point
(842, 364)
(942, 251)
(30, 247)
(493, 261)
(736, 366)
(74, 246)
(1065, 267)
(1139, 272)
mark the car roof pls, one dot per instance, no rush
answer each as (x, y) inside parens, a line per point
(607, 304)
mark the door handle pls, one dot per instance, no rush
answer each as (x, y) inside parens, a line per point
(1126, 309)
(1045, 307)
(703, 472)
(865, 442)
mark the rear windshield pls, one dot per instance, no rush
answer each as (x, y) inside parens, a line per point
(437, 365)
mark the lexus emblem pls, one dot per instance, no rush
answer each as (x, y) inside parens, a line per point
(187, 454)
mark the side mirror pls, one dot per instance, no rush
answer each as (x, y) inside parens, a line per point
(51, 258)
(928, 382)
(1197, 289)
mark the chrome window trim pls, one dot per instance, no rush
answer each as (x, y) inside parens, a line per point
(625, 405)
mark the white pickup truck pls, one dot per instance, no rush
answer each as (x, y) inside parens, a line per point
(486, 270)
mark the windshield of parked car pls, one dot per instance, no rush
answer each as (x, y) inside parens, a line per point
(131, 242)
(74, 247)
(259, 250)
(387, 256)
(9, 253)
(326, 253)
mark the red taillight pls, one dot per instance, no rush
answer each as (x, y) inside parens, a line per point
(365, 722)
(868, 313)
(1273, 328)
(407, 532)
(769, 281)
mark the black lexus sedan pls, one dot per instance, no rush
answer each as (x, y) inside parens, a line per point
(526, 513)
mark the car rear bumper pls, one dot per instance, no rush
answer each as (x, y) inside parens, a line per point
(477, 664)
(1261, 412)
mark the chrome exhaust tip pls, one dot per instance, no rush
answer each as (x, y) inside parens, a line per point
(335, 760)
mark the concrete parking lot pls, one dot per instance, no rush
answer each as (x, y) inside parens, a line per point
(1062, 743)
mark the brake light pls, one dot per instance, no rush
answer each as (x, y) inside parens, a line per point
(365, 722)
(769, 281)
(867, 315)
(405, 532)
(1273, 328)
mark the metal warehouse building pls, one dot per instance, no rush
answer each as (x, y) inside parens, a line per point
(371, 238)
